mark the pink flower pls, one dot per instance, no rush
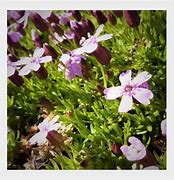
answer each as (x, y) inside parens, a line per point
(130, 89)
(72, 63)
(44, 127)
(163, 127)
(136, 151)
(90, 44)
(64, 18)
(32, 63)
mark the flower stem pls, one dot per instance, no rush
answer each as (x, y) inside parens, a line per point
(103, 74)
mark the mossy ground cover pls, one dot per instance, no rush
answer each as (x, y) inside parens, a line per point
(93, 130)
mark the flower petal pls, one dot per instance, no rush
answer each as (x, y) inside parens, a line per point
(25, 70)
(90, 47)
(113, 92)
(10, 71)
(141, 78)
(55, 126)
(38, 52)
(99, 30)
(22, 61)
(125, 150)
(143, 95)
(45, 59)
(39, 138)
(69, 73)
(125, 77)
(65, 58)
(136, 143)
(76, 69)
(126, 104)
(79, 51)
(34, 66)
(54, 120)
(104, 37)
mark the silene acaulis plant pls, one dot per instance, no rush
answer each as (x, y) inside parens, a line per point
(86, 89)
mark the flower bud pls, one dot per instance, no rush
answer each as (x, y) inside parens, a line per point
(111, 18)
(100, 88)
(50, 51)
(45, 103)
(148, 160)
(84, 163)
(12, 58)
(88, 25)
(20, 29)
(56, 28)
(102, 55)
(39, 22)
(118, 13)
(53, 18)
(42, 73)
(16, 79)
(76, 14)
(101, 19)
(55, 138)
(85, 69)
(116, 149)
(132, 18)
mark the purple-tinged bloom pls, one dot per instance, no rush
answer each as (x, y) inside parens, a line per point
(136, 151)
(163, 127)
(130, 89)
(44, 14)
(69, 35)
(64, 18)
(60, 38)
(14, 36)
(16, 15)
(90, 44)
(72, 63)
(32, 63)
(44, 127)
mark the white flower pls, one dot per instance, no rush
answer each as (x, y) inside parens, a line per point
(90, 45)
(42, 13)
(32, 63)
(129, 89)
(136, 151)
(44, 127)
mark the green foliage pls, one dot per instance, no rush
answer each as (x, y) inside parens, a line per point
(96, 123)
